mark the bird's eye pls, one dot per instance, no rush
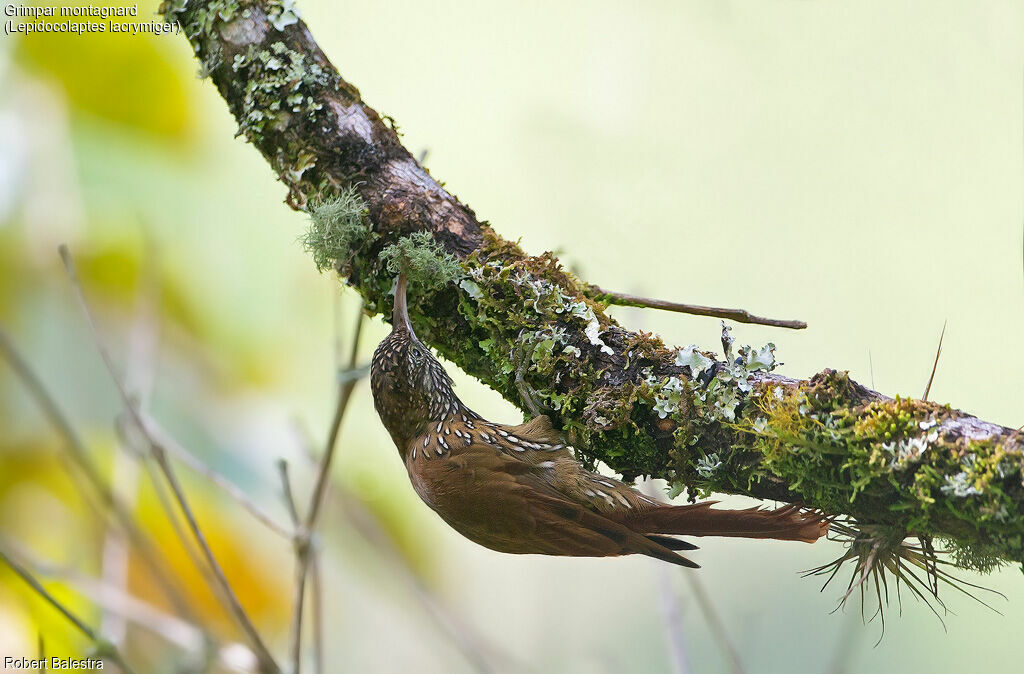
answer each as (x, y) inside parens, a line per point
(415, 353)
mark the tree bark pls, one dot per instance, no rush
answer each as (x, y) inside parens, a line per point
(908, 467)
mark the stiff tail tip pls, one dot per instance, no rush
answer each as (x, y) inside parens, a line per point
(788, 523)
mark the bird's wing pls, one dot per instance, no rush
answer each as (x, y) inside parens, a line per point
(537, 444)
(502, 503)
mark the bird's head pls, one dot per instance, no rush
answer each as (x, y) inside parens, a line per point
(410, 387)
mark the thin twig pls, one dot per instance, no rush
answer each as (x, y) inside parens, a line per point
(153, 429)
(304, 533)
(935, 365)
(317, 611)
(106, 648)
(174, 518)
(111, 597)
(738, 315)
(301, 569)
(267, 662)
(315, 581)
(673, 622)
(715, 623)
(344, 395)
(139, 380)
(289, 498)
(188, 636)
(79, 454)
(669, 605)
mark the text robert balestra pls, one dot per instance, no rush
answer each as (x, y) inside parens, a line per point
(54, 664)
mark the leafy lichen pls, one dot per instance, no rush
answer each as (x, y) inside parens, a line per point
(279, 82)
(891, 462)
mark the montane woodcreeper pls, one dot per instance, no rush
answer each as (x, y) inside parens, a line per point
(518, 489)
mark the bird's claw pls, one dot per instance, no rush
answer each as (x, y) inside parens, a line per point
(527, 394)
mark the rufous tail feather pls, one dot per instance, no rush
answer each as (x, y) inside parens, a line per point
(788, 523)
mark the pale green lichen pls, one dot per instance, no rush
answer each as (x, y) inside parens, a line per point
(697, 362)
(199, 19)
(279, 83)
(283, 13)
(707, 465)
(304, 161)
(338, 228)
(890, 462)
(425, 262)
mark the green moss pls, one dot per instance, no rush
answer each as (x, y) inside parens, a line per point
(977, 557)
(339, 228)
(887, 462)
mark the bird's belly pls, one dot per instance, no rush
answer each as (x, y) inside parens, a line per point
(477, 516)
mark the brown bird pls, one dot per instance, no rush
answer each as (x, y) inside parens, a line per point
(518, 489)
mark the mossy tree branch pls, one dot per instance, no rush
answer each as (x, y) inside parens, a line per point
(620, 396)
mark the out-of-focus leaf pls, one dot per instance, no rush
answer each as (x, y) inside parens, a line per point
(115, 272)
(12, 281)
(131, 80)
(42, 509)
(252, 558)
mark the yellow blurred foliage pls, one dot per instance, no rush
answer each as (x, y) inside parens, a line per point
(131, 80)
(42, 509)
(254, 559)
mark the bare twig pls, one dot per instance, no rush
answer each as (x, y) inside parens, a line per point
(715, 623)
(315, 581)
(738, 315)
(289, 498)
(935, 365)
(301, 570)
(267, 662)
(188, 636)
(344, 395)
(673, 622)
(153, 429)
(188, 544)
(114, 598)
(79, 454)
(104, 647)
(317, 611)
(669, 604)
(304, 549)
(139, 378)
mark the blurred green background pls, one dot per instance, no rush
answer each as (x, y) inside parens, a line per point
(856, 165)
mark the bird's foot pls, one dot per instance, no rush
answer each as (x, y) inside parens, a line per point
(527, 394)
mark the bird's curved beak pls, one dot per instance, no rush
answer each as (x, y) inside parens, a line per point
(400, 316)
